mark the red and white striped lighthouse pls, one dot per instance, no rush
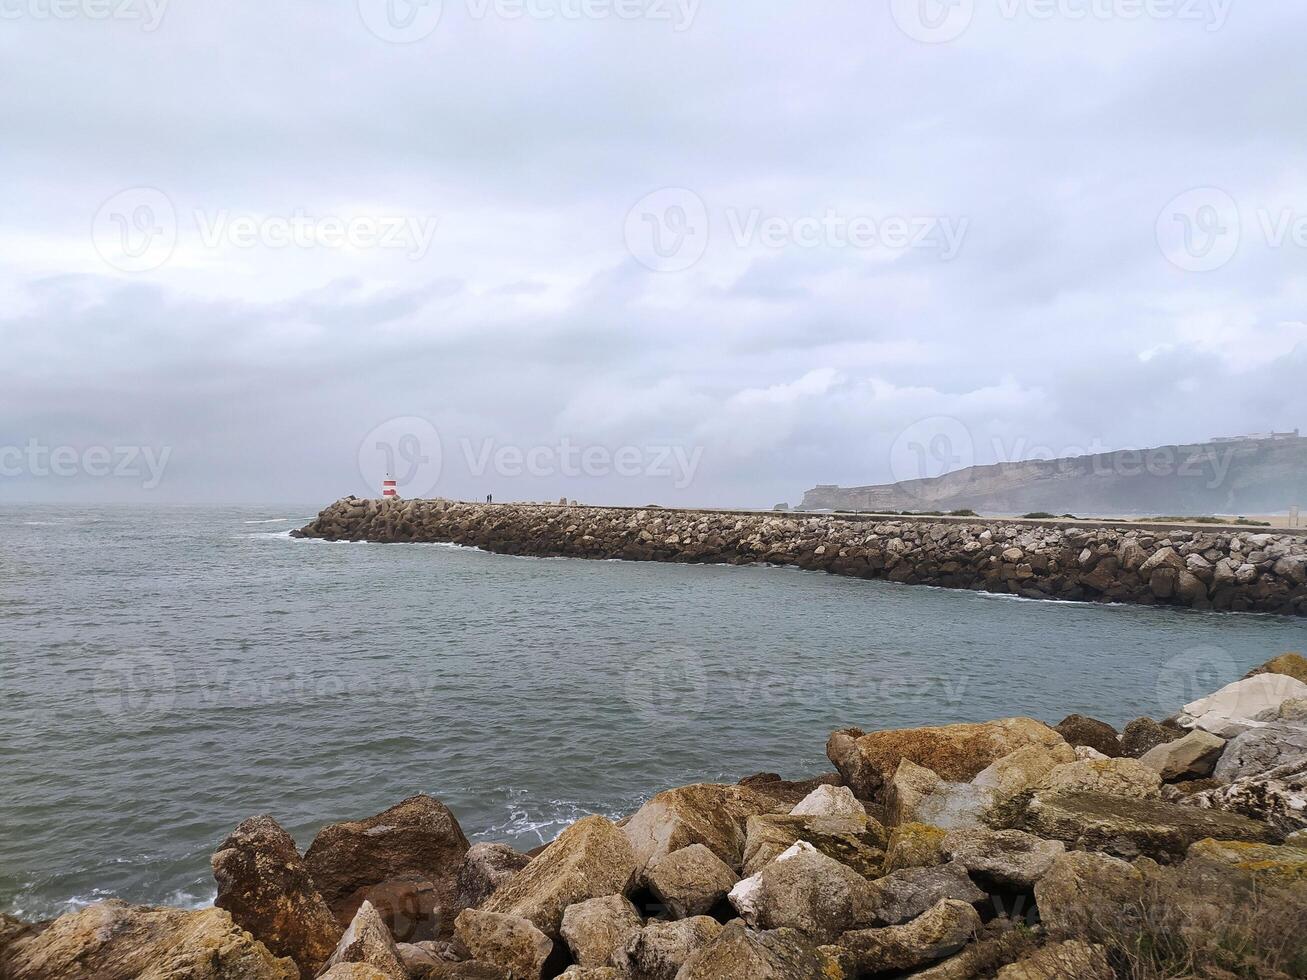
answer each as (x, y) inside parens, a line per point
(389, 490)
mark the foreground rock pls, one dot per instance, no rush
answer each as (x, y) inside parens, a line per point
(417, 840)
(691, 881)
(739, 953)
(1259, 750)
(857, 841)
(953, 752)
(1098, 735)
(503, 940)
(267, 889)
(705, 813)
(1078, 886)
(1061, 961)
(1235, 708)
(1276, 798)
(1191, 757)
(590, 859)
(368, 941)
(116, 941)
(660, 949)
(597, 929)
(1131, 828)
(1007, 858)
(808, 892)
(936, 934)
(903, 895)
(485, 868)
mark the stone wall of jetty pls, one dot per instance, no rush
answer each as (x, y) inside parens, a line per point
(1221, 568)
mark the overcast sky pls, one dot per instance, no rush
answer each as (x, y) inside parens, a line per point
(626, 251)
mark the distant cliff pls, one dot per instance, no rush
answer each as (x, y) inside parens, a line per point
(1244, 476)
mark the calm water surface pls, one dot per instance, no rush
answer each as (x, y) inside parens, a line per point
(168, 672)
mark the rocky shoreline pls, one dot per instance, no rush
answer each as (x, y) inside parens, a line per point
(1012, 849)
(1223, 569)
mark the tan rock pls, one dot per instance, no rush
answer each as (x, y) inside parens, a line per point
(739, 953)
(485, 868)
(914, 845)
(1113, 777)
(1061, 961)
(367, 940)
(595, 930)
(901, 896)
(660, 949)
(1020, 770)
(954, 752)
(506, 941)
(858, 842)
(1008, 858)
(116, 941)
(691, 881)
(809, 892)
(1191, 757)
(934, 935)
(1077, 887)
(703, 813)
(416, 840)
(353, 971)
(908, 787)
(830, 801)
(1267, 863)
(590, 859)
(1290, 664)
(263, 883)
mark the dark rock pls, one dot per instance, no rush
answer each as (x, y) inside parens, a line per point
(1144, 734)
(1099, 735)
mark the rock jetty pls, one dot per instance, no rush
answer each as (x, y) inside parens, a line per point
(1012, 849)
(1221, 569)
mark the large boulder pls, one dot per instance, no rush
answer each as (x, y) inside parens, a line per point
(856, 841)
(1083, 730)
(353, 971)
(1290, 664)
(1007, 858)
(1112, 777)
(1073, 893)
(590, 859)
(1191, 757)
(660, 949)
(1259, 750)
(264, 884)
(829, 801)
(914, 845)
(1130, 828)
(1234, 708)
(1061, 961)
(1020, 770)
(954, 752)
(485, 868)
(739, 953)
(416, 840)
(1143, 734)
(507, 941)
(1278, 797)
(595, 930)
(116, 941)
(805, 890)
(368, 940)
(903, 895)
(704, 813)
(934, 935)
(1264, 863)
(691, 881)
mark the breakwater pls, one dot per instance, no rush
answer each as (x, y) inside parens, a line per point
(1221, 568)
